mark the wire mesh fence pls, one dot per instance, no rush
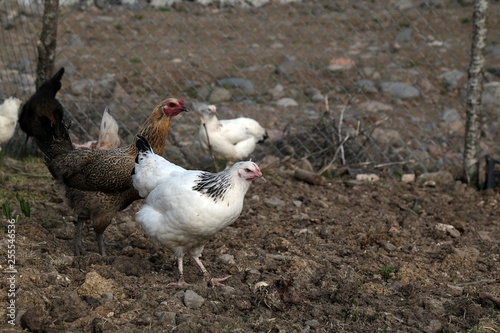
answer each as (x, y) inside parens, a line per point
(383, 80)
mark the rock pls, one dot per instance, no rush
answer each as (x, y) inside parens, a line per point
(340, 64)
(287, 67)
(227, 259)
(219, 95)
(455, 290)
(439, 177)
(192, 300)
(387, 246)
(453, 79)
(434, 326)
(287, 102)
(400, 90)
(274, 202)
(493, 50)
(404, 4)
(404, 35)
(246, 86)
(35, 319)
(277, 92)
(449, 115)
(166, 318)
(367, 86)
(491, 94)
(313, 323)
(387, 137)
(408, 178)
(163, 3)
(365, 177)
(315, 95)
(449, 229)
(95, 285)
(374, 106)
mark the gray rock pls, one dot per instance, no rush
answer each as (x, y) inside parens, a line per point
(374, 106)
(400, 90)
(367, 86)
(404, 4)
(491, 94)
(219, 95)
(166, 318)
(287, 67)
(439, 177)
(435, 326)
(494, 50)
(274, 202)
(403, 36)
(313, 323)
(277, 92)
(227, 259)
(192, 300)
(75, 40)
(387, 137)
(453, 79)
(287, 102)
(246, 86)
(449, 115)
(163, 3)
(81, 87)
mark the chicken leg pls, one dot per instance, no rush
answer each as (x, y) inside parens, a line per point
(214, 282)
(79, 250)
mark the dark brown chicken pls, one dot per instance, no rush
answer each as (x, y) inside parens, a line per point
(98, 183)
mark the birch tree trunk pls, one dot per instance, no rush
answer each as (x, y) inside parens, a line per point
(46, 45)
(474, 94)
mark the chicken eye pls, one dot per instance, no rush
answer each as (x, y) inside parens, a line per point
(248, 170)
(171, 104)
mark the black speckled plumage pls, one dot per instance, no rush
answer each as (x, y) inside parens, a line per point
(213, 185)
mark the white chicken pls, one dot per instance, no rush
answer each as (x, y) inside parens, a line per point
(8, 118)
(185, 208)
(230, 139)
(108, 134)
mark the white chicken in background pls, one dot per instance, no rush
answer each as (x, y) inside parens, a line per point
(8, 118)
(108, 134)
(230, 139)
(185, 208)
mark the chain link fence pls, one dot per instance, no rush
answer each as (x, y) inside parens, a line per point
(334, 82)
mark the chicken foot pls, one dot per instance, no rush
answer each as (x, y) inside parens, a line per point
(214, 282)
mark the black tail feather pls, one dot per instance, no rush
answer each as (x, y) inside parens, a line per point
(142, 144)
(42, 118)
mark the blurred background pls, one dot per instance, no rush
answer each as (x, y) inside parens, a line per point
(334, 82)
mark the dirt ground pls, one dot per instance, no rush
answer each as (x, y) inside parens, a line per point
(340, 257)
(344, 256)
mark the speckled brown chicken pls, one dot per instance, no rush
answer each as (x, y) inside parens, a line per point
(98, 183)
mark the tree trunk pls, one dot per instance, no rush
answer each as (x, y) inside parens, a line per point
(474, 94)
(46, 45)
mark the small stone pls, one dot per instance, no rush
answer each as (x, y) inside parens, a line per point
(439, 177)
(227, 259)
(367, 86)
(408, 178)
(246, 86)
(219, 95)
(312, 323)
(364, 177)
(434, 326)
(297, 203)
(455, 290)
(400, 90)
(287, 102)
(192, 300)
(274, 202)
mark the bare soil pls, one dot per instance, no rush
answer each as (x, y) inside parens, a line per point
(340, 257)
(343, 256)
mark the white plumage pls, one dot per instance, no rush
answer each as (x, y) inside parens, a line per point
(230, 139)
(9, 110)
(185, 208)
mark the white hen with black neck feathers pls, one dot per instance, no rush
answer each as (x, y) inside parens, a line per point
(185, 208)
